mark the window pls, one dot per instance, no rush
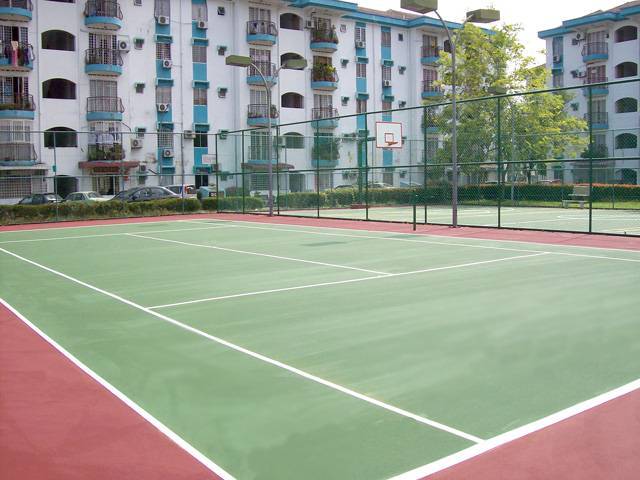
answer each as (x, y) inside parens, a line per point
(361, 34)
(626, 140)
(59, 88)
(292, 100)
(557, 46)
(259, 14)
(15, 131)
(558, 80)
(165, 138)
(163, 94)
(140, 131)
(401, 37)
(14, 34)
(626, 69)
(290, 21)
(430, 46)
(199, 53)
(58, 40)
(105, 133)
(289, 56)
(162, 8)
(293, 140)
(596, 74)
(257, 97)
(361, 70)
(103, 88)
(259, 181)
(259, 146)
(597, 37)
(361, 106)
(386, 105)
(386, 73)
(386, 37)
(626, 34)
(163, 51)
(199, 96)
(322, 101)
(317, 60)
(60, 137)
(626, 105)
(199, 12)
(201, 140)
(103, 41)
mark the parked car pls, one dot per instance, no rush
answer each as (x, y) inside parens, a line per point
(85, 197)
(345, 187)
(142, 194)
(379, 185)
(189, 191)
(40, 199)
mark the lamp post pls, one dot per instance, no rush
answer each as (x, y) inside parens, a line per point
(245, 62)
(476, 16)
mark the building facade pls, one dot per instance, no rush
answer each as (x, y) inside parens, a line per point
(597, 48)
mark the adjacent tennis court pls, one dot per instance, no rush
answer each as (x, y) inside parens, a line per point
(278, 351)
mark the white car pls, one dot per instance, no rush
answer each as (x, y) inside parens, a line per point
(85, 197)
(188, 190)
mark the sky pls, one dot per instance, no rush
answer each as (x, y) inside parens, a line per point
(533, 16)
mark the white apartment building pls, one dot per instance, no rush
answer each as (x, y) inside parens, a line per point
(106, 75)
(600, 47)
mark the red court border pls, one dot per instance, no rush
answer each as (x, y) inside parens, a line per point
(57, 423)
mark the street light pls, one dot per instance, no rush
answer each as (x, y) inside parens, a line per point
(291, 64)
(486, 15)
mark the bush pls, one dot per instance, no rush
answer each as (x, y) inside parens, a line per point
(234, 204)
(210, 204)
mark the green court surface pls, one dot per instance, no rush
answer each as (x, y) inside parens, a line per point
(572, 219)
(304, 352)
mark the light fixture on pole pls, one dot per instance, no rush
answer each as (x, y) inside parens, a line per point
(292, 64)
(485, 15)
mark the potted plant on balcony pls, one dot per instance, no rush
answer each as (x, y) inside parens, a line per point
(323, 72)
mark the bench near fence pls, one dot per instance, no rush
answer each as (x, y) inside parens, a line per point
(580, 195)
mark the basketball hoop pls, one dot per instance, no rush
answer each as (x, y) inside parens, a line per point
(388, 135)
(390, 139)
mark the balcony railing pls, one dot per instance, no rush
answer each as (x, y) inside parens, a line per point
(21, 57)
(322, 113)
(261, 110)
(15, 151)
(261, 27)
(24, 4)
(429, 87)
(103, 56)
(430, 51)
(105, 152)
(268, 69)
(103, 8)
(105, 104)
(595, 48)
(601, 118)
(595, 79)
(325, 35)
(16, 101)
(324, 73)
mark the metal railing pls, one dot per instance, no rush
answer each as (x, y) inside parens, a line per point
(103, 56)
(24, 54)
(17, 151)
(328, 35)
(597, 117)
(105, 152)
(261, 27)
(429, 87)
(24, 4)
(16, 101)
(268, 69)
(430, 51)
(595, 48)
(261, 110)
(105, 104)
(595, 79)
(103, 8)
(321, 113)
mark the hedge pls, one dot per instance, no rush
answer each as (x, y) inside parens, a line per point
(233, 204)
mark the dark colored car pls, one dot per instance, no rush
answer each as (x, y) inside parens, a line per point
(143, 194)
(40, 199)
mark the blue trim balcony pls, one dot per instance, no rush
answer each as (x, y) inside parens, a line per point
(17, 105)
(267, 69)
(430, 91)
(261, 32)
(600, 120)
(429, 55)
(104, 14)
(324, 117)
(558, 64)
(595, 51)
(18, 60)
(258, 115)
(15, 154)
(596, 90)
(324, 77)
(104, 109)
(16, 10)
(103, 61)
(324, 40)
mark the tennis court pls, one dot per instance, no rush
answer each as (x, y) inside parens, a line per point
(277, 351)
(620, 222)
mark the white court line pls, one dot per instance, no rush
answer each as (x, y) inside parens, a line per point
(78, 237)
(246, 252)
(340, 282)
(259, 356)
(519, 432)
(182, 443)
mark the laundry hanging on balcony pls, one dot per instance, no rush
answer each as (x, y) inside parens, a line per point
(19, 54)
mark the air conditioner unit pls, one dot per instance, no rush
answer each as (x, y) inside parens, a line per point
(136, 143)
(166, 63)
(578, 36)
(386, 83)
(124, 45)
(575, 73)
(189, 134)
(142, 168)
(163, 107)
(308, 24)
(203, 25)
(163, 20)
(361, 44)
(557, 59)
(582, 74)
(167, 153)
(575, 41)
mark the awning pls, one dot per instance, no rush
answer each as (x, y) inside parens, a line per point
(108, 167)
(31, 168)
(263, 168)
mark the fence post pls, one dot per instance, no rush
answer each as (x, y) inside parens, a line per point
(366, 165)
(277, 169)
(591, 152)
(425, 154)
(55, 171)
(415, 206)
(182, 168)
(316, 144)
(242, 174)
(499, 159)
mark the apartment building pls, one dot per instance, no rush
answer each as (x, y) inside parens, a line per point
(599, 47)
(118, 81)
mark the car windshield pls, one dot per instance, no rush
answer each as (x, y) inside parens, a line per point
(121, 195)
(51, 196)
(175, 188)
(93, 195)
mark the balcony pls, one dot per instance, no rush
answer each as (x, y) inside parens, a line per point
(429, 90)
(429, 55)
(18, 154)
(261, 32)
(324, 77)
(595, 51)
(104, 14)
(104, 108)
(105, 152)
(324, 40)
(258, 115)
(17, 105)
(596, 90)
(267, 69)
(103, 61)
(16, 10)
(600, 120)
(16, 57)
(324, 117)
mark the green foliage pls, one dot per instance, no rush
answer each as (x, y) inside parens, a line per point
(595, 151)
(325, 148)
(234, 204)
(323, 72)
